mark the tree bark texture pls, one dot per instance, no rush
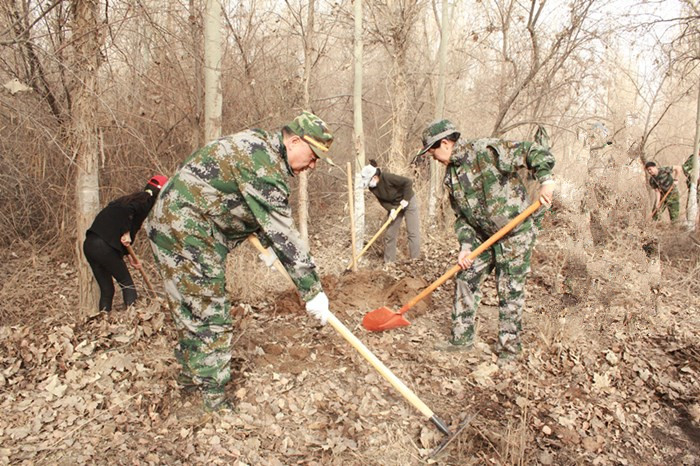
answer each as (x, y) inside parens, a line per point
(83, 138)
(212, 70)
(358, 128)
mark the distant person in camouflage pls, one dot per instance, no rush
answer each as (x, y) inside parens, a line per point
(687, 169)
(229, 189)
(486, 192)
(662, 180)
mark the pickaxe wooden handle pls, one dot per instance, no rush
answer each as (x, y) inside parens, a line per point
(384, 371)
(374, 238)
(662, 201)
(143, 272)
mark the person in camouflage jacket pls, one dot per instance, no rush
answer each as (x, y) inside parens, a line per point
(229, 189)
(486, 192)
(662, 180)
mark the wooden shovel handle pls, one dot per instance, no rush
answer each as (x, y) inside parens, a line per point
(130, 250)
(374, 238)
(475, 253)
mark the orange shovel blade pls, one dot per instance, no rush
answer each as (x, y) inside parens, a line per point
(383, 319)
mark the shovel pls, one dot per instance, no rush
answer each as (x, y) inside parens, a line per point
(384, 371)
(385, 319)
(374, 238)
(662, 201)
(143, 272)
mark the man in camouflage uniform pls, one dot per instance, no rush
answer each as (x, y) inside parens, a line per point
(486, 192)
(229, 189)
(662, 180)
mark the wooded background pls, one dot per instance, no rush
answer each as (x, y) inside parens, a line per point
(97, 96)
(115, 91)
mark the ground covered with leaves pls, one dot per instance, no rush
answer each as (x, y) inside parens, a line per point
(609, 373)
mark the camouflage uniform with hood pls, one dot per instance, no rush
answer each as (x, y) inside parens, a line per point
(227, 190)
(486, 192)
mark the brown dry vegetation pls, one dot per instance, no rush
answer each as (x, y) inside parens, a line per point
(609, 374)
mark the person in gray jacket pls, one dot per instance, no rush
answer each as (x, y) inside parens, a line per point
(393, 191)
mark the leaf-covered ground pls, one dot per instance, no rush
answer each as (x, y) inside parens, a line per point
(609, 373)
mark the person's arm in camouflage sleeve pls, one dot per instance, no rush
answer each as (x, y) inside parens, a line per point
(465, 235)
(268, 199)
(540, 161)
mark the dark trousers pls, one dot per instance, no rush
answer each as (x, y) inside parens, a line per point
(106, 262)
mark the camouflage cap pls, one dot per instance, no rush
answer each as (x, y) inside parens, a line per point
(314, 131)
(436, 131)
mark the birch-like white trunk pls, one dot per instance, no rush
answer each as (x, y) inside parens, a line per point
(436, 170)
(212, 70)
(358, 129)
(304, 177)
(692, 212)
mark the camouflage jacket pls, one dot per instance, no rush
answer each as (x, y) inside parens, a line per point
(238, 185)
(688, 169)
(485, 189)
(663, 181)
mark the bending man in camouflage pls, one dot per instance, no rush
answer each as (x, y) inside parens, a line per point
(229, 189)
(486, 193)
(663, 180)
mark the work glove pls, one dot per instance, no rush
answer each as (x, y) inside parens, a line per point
(403, 203)
(318, 307)
(393, 214)
(269, 258)
(126, 239)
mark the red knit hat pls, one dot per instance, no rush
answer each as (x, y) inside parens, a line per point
(158, 181)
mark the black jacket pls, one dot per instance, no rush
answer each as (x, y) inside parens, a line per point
(392, 189)
(117, 218)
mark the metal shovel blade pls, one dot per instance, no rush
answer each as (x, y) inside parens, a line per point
(382, 319)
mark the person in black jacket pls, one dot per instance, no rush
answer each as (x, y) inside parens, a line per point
(112, 230)
(393, 191)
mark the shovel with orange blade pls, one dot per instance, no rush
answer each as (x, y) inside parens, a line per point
(384, 318)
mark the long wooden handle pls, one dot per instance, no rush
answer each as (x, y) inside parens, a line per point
(376, 235)
(362, 349)
(475, 253)
(278, 265)
(130, 250)
(662, 201)
(384, 371)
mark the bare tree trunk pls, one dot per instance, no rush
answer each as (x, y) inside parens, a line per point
(435, 167)
(399, 109)
(358, 129)
(212, 70)
(83, 139)
(303, 177)
(198, 88)
(692, 212)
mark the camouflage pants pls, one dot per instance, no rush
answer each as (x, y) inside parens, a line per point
(193, 269)
(672, 203)
(511, 259)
